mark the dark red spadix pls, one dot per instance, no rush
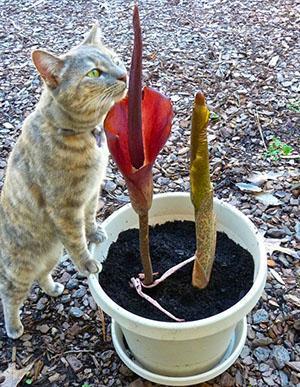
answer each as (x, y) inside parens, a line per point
(135, 140)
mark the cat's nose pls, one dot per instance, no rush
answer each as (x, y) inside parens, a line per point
(123, 78)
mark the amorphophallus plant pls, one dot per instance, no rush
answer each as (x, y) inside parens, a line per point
(136, 129)
(202, 195)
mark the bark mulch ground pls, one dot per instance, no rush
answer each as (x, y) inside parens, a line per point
(244, 55)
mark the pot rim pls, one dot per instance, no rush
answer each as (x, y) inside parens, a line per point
(250, 297)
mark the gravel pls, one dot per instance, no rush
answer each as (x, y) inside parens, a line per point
(79, 293)
(72, 284)
(76, 312)
(245, 56)
(260, 316)
(261, 353)
(281, 356)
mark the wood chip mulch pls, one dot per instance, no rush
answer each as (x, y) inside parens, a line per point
(244, 55)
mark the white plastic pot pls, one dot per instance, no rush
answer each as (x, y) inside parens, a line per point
(185, 349)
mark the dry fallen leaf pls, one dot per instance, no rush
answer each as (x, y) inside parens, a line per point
(273, 244)
(295, 365)
(271, 263)
(273, 303)
(277, 276)
(211, 137)
(267, 199)
(293, 299)
(259, 178)
(274, 61)
(13, 376)
(38, 366)
(8, 125)
(248, 187)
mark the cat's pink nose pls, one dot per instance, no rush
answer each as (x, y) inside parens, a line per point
(123, 78)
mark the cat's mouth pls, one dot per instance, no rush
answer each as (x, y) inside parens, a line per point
(121, 94)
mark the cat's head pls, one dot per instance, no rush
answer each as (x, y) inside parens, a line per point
(89, 78)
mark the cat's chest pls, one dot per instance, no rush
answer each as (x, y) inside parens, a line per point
(98, 163)
(94, 176)
(91, 166)
(77, 166)
(75, 153)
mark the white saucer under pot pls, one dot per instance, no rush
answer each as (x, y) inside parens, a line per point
(235, 347)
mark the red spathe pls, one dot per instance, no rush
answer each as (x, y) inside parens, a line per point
(157, 115)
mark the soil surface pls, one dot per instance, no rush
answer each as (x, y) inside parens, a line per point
(170, 244)
(244, 55)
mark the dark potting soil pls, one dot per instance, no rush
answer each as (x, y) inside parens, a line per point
(171, 243)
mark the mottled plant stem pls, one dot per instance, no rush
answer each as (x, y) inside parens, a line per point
(202, 195)
(206, 242)
(144, 248)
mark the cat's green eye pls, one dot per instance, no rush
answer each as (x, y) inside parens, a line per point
(95, 73)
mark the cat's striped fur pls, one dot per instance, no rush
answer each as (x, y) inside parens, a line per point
(51, 189)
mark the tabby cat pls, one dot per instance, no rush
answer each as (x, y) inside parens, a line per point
(54, 173)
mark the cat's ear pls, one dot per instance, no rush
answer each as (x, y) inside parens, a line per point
(48, 65)
(94, 35)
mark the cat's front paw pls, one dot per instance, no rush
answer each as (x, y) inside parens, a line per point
(14, 332)
(50, 287)
(98, 235)
(56, 290)
(91, 266)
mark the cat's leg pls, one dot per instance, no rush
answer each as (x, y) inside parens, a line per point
(49, 286)
(70, 228)
(45, 280)
(94, 231)
(12, 300)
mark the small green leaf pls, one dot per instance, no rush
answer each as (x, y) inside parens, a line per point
(287, 149)
(294, 106)
(28, 381)
(214, 116)
(86, 385)
(277, 148)
(276, 142)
